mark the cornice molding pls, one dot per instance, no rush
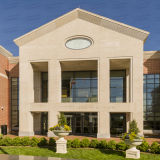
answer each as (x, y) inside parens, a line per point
(13, 60)
(4, 52)
(86, 16)
(151, 55)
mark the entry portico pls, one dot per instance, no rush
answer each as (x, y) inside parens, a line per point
(58, 73)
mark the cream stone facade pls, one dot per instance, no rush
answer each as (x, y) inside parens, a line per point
(115, 46)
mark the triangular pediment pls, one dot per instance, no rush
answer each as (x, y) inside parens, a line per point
(86, 16)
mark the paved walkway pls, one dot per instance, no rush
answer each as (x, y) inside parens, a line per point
(21, 157)
(149, 140)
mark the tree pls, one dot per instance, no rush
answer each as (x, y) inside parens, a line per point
(133, 127)
(62, 120)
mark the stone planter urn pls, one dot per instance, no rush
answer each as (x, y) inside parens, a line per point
(133, 152)
(61, 143)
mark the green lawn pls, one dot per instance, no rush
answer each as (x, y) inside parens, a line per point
(89, 154)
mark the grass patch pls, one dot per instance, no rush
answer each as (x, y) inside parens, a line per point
(89, 154)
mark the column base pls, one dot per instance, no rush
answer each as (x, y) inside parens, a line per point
(135, 154)
(25, 133)
(103, 135)
(51, 134)
(61, 146)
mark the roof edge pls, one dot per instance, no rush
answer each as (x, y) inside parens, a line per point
(72, 15)
(5, 52)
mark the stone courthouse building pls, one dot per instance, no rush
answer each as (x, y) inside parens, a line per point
(91, 68)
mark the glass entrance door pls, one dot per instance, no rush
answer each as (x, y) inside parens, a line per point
(44, 123)
(81, 124)
(117, 123)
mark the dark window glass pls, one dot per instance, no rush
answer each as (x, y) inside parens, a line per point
(14, 103)
(79, 86)
(118, 86)
(44, 86)
(151, 101)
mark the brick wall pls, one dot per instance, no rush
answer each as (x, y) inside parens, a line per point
(4, 92)
(151, 66)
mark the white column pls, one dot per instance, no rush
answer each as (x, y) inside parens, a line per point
(52, 121)
(103, 125)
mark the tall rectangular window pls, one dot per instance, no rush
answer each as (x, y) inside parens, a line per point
(44, 86)
(118, 86)
(79, 86)
(151, 101)
(14, 103)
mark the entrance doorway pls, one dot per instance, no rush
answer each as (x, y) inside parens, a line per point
(82, 123)
(117, 123)
(44, 124)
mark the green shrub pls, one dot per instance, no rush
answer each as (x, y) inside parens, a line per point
(7, 141)
(16, 141)
(158, 148)
(52, 141)
(34, 142)
(25, 141)
(69, 143)
(85, 142)
(1, 136)
(144, 146)
(76, 143)
(111, 144)
(154, 147)
(121, 146)
(0, 142)
(43, 142)
(133, 127)
(94, 143)
(103, 144)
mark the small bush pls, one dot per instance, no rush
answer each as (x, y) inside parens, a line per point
(34, 142)
(25, 141)
(85, 142)
(111, 144)
(69, 143)
(43, 142)
(16, 141)
(1, 136)
(103, 144)
(52, 141)
(94, 143)
(76, 143)
(121, 146)
(0, 142)
(7, 141)
(144, 146)
(158, 148)
(154, 147)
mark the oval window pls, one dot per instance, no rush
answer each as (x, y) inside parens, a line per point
(78, 43)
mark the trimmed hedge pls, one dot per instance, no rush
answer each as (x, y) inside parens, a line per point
(85, 142)
(103, 144)
(69, 143)
(16, 141)
(52, 141)
(94, 143)
(144, 147)
(43, 142)
(111, 144)
(76, 143)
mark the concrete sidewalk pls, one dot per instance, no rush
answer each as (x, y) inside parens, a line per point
(21, 157)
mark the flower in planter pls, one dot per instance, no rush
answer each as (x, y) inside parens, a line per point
(58, 127)
(131, 136)
(62, 124)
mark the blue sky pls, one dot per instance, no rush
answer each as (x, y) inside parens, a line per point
(18, 17)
